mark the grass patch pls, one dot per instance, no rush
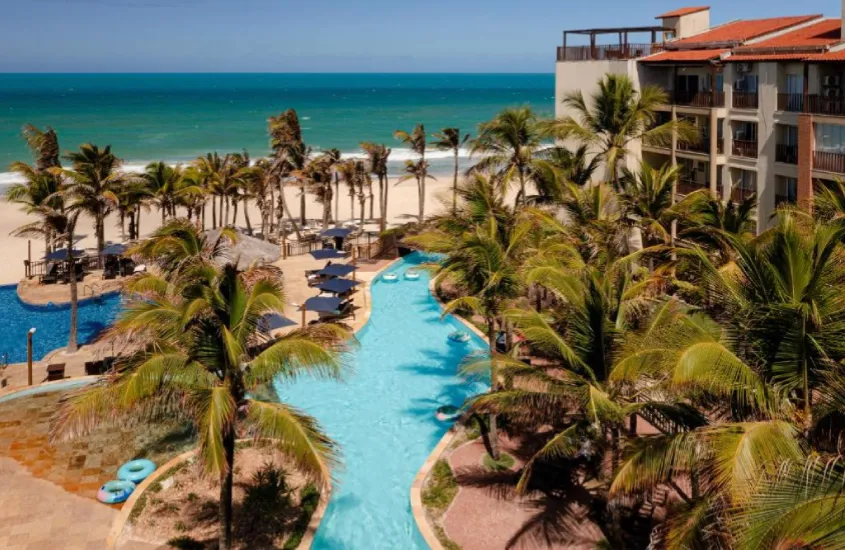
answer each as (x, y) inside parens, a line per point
(309, 499)
(444, 539)
(505, 462)
(155, 487)
(441, 487)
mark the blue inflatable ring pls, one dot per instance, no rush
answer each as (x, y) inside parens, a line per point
(459, 337)
(115, 492)
(390, 277)
(136, 471)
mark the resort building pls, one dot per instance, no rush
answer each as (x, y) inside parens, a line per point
(768, 96)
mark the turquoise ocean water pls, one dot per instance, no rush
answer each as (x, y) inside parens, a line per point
(176, 117)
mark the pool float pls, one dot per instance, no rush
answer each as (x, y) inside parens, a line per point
(390, 277)
(412, 275)
(136, 471)
(115, 492)
(459, 337)
(447, 413)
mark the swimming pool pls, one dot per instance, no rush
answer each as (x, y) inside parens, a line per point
(382, 415)
(52, 324)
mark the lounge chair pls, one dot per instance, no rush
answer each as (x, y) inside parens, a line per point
(56, 371)
(51, 275)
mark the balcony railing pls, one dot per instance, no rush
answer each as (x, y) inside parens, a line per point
(686, 186)
(739, 194)
(786, 153)
(702, 146)
(743, 148)
(781, 199)
(793, 103)
(699, 99)
(607, 52)
(829, 162)
(745, 100)
(819, 105)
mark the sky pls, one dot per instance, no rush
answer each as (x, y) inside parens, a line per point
(323, 35)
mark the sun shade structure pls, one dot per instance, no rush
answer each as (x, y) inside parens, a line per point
(341, 232)
(273, 321)
(62, 255)
(322, 304)
(337, 270)
(114, 250)
(327, 254)
(338, 286)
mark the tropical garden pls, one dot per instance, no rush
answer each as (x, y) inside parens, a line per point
(677, 358)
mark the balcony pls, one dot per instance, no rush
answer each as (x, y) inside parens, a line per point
(829, 162)
(783, 199)
(739, 194)
(834, 106)
(745, 100)
(786, 153)
(606, 52)
(744, 148)
(699, 99)
(792, 103)
(686, 186)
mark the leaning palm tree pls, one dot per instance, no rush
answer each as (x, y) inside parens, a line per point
(377, 156)
(60, 225)
(92, 185)
(416, 140)
(205, 355)
(450, 139)
(509, 144)
(617, 116)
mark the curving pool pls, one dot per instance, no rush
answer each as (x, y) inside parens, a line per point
(382, 415)
(52, 323)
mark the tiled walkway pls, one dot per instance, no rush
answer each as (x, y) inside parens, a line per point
(48, 492)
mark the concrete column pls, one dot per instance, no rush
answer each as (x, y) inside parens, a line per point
(714, 151)
(806, 137)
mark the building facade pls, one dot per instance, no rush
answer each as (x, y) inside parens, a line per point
(768, 97)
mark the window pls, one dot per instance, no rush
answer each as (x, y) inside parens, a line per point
(746, 83)
(720, 82)
(795, 84)
(745, 131)
(790, 135)
(746, 180)
(786, 189)
(830, 138)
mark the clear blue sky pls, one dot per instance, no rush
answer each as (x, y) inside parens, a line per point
(323, 35)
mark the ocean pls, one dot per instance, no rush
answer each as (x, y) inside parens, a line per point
(177, 117)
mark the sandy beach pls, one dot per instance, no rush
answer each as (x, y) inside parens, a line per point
(402, 207)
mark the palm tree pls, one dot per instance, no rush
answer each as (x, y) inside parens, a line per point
(646, 197)
(377, 156)
(574, 165)
(417, 171)
(92, 185)
(60, 225)
(703, 219)
(416, 141)
(132, 195)
(289, 154)
(616, 116)
(205, 356)
(484, 242)
(450, 139)
(163, 183)
(362, 183)
(509, 144)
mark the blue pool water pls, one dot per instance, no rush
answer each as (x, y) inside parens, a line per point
(382, 415)
(52, 324)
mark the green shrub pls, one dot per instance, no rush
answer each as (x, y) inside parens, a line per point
(441, 487)
(309, 499)
(181, 526)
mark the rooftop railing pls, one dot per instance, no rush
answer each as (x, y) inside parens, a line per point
(606, 52)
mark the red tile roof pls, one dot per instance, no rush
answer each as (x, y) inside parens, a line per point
(785, 56)
(682, 11)
(684, 55)
(829, 56)
(740, 31)
(818, 35)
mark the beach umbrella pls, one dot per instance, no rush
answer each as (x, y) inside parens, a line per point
(336, 232)
(337, 270)
(62, 255)
(114, 250)
(328, 254)
(322, 304)
(338, 286)
(273, 321)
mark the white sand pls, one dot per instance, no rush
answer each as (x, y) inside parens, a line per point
(402, 207)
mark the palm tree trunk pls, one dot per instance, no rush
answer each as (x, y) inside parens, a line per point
(246, 219)
(138, 225)
(234, 212)
(351, 206)
(101, 238)
(224, 514)
(372, 201)
(213, 213)
(455, 185)
(302, 205)
(226, 217)
(270, 211)
(494, 383)
(363, 202)
(202, 215)
(122, 224)
(337, 196)
(386, 192)
(290, 217)
(521, 186)
(131, 226)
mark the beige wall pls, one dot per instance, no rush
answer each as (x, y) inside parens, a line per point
(689, 25)
(583, 76)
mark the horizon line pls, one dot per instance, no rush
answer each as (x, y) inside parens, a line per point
(12, 73)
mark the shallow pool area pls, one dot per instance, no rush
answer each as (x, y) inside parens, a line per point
(51, 323)
(383, 415)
